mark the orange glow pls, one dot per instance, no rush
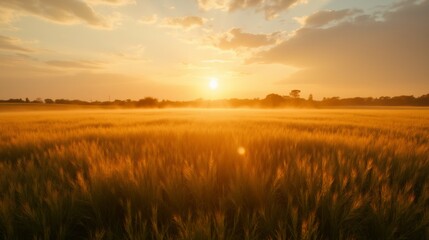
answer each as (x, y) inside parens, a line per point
(241, 151)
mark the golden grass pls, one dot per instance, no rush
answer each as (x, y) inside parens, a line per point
(214, 174)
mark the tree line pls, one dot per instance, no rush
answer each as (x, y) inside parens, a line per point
(293, 99)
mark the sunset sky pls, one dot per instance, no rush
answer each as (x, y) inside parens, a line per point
(173, 49)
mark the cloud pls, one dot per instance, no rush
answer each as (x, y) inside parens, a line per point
(236, 39)
(325, 17)
(132, 53)
(13, 44)
(149, 20)
(212, 4)
(271, 8)
(113, 2)
(274, 7)
(64, 11)
(186, 22)
(6, 16)
(75, 64)
(390, 52)
(218, 61)
(13, 66)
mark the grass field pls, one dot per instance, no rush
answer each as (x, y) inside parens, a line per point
(214, 174)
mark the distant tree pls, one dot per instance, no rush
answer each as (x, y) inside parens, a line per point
(423, 100)
(27, 100)
(273, 100)
(118, 102)
(49, 101)
(147, 102)
(333, 101)
(402, 100)
(310, 97)
(38, 100)
(295, 93)
(15, 100)
(62, 101)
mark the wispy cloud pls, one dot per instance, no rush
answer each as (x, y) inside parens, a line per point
(63, 12)
(149, 20)
(236, 39)
(13, 44)
(271, 8)
(131, 53)
(76, 64)
(325, 17)
(186, 22)
(113, 2)
(6, 15)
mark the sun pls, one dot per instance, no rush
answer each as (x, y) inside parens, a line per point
(214, 83)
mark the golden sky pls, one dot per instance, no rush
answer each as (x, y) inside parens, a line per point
(173, 49)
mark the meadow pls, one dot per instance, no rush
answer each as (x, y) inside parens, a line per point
(215, 174)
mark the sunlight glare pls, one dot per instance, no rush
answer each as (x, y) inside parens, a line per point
(241, 150)
(213, 83)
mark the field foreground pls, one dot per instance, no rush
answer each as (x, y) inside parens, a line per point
(215, 174)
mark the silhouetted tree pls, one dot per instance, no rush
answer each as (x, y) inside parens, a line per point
(49, 101)
(147, 102)
(38, 100)
(403, 100)
(295, 93)
(14, 100)
(333, 101)
(273, 100)
(62, 101)
(118, 102)
(423, 100)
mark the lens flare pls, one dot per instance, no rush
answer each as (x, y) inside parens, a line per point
(241, 151)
